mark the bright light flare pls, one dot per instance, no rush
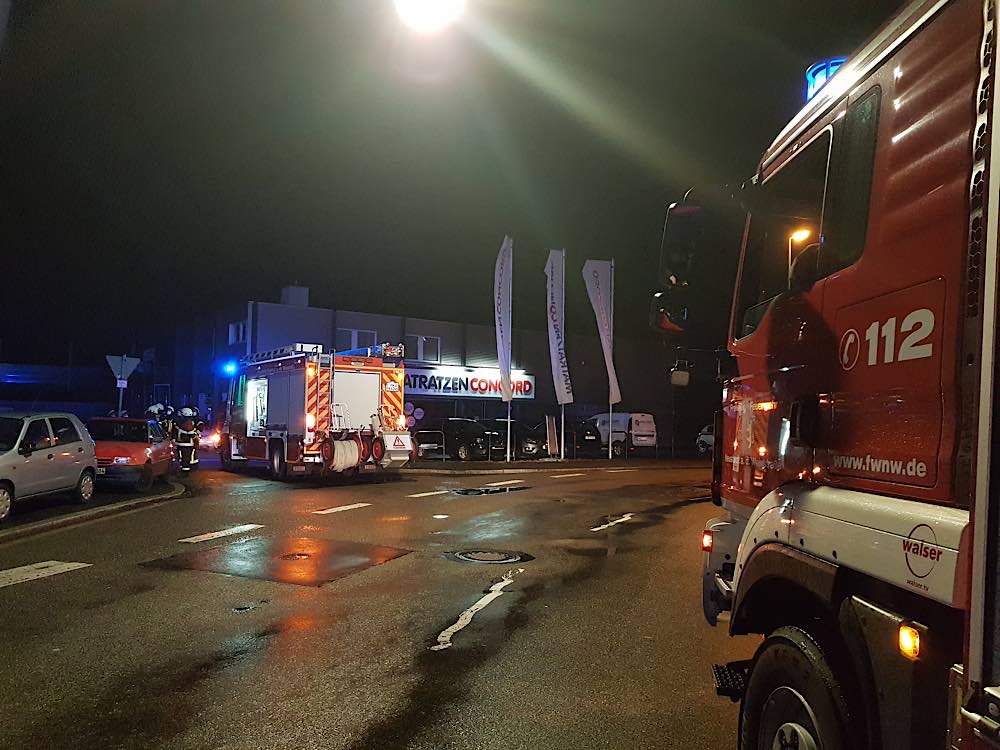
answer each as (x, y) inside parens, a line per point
(429, 16)
(801, 235)
(909, 641)
(707, 539)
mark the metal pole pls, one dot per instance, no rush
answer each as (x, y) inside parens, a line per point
(562, 432)
(611, 322)
(562, 323)
(121, 391)
(509, 430)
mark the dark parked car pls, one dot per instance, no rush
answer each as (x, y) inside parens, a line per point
(463, 439)
(525, 442)
(587, 439)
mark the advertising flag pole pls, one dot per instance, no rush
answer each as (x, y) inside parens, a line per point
(611, 323)
(562, 318)
(509, 425)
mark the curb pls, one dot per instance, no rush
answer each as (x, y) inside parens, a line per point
(540, 470)
(90, 514)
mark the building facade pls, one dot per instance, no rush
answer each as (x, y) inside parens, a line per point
(451, 367)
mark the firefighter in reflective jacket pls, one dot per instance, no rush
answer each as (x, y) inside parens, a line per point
(186, 438)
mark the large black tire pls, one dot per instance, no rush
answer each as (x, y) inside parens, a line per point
(279, 469)
(791, 691)
(145, 480)
(464, 453)
(84, 490)
(618, 449)
(226, 458)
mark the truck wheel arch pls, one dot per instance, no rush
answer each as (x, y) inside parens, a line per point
(777, 570)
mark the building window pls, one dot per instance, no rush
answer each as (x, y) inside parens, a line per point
(350, 338)
(423, 348)
(237, 332)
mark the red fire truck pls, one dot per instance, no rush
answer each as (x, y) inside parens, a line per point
(306, 412)
(855, 449)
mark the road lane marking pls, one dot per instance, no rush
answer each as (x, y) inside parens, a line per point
(566, 476)
(501, 484)
(623, 519)
(430, 494)
(340, 508)
(495, 592)
(620, 471)
(35, 571)
(221, 532)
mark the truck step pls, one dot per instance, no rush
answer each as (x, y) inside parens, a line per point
(731, 678)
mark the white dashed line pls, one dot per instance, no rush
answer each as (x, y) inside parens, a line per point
(496, 591)
(221, 532)
(501, 484)
(623, 519)
(340, 508)
(35, 571)
(620, 471)
(430, 494)
(566, 476)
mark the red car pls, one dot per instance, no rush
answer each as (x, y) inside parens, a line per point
(133, 451)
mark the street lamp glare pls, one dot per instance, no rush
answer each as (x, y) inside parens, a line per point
(428, 16)
(801, 235)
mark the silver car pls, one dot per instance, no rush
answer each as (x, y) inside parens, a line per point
(41, 454)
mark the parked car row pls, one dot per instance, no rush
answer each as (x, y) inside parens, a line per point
(47, 453)
(469, 439)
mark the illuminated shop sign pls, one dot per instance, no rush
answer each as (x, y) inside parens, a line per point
(464, 382)
(820, 73)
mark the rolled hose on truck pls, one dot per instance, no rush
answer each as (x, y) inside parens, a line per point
(339, 455)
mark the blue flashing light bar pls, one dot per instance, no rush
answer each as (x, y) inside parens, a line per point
(817, 75)
(229, 368)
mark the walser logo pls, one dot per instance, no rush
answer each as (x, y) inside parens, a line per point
(922, 552)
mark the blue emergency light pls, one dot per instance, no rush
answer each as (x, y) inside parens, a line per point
(817, 75)
(229, 368)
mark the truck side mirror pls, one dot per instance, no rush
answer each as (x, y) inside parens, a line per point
(668, 311)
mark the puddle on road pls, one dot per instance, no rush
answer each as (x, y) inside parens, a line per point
(300, 561)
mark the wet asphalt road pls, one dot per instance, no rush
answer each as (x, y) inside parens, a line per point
(598, 643)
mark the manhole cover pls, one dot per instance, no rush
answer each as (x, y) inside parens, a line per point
(295, 556)
(487, 490)
(490, 556)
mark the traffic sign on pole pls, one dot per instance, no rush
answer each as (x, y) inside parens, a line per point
(121, 367)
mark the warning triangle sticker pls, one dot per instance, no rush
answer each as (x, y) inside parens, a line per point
(398, 442)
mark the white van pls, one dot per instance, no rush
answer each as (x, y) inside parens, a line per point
(629, 431)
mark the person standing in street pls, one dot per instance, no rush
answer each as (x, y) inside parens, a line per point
(186, 439)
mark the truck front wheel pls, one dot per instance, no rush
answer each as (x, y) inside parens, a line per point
(793, 699)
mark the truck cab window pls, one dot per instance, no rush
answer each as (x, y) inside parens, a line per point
(851, 189)
(787, 217)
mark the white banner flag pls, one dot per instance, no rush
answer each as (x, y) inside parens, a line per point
(599, 275)
(502, 282)
(555, 273)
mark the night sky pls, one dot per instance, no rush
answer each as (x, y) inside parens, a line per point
(162, 158)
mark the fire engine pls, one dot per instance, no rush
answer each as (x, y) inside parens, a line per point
(855, 448)
(306, 412)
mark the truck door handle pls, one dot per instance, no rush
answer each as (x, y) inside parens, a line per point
(79, 450)
(50, 457)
